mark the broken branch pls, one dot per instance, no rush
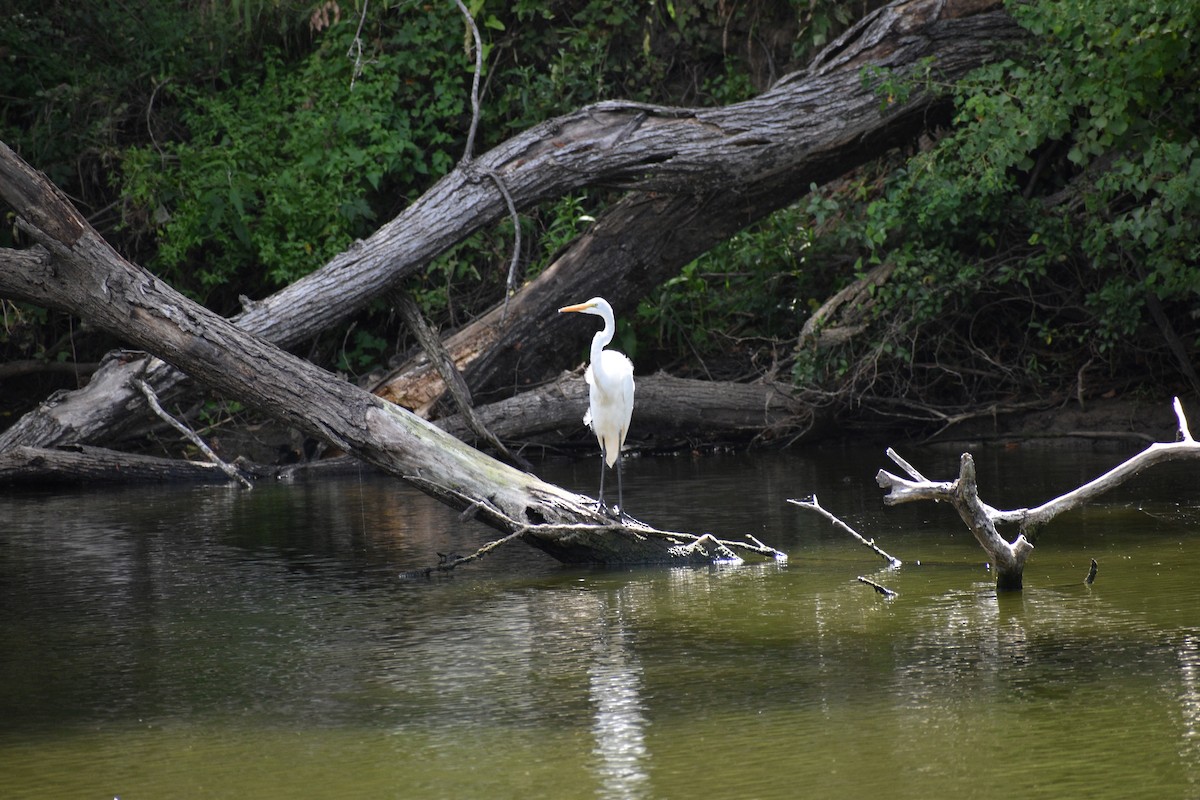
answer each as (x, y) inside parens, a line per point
(192, 436)
(883, 590)
(813, 505)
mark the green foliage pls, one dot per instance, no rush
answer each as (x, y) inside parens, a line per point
(1026, 242)
(80, 78)
(361, 351)
(747, 288)
(280, 168)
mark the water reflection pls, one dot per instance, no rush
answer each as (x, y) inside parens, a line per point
(615, 686)
(1189, 705)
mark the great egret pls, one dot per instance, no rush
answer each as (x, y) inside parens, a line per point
(610, 378)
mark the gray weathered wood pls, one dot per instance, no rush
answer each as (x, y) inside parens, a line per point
(1008, 558)
(92, 465)
(666, 405)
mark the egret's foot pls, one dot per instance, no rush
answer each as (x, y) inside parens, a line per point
(612, 512)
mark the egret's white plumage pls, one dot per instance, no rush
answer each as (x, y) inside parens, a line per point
(610, 381)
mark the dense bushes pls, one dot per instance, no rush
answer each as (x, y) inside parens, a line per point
(1048, 242)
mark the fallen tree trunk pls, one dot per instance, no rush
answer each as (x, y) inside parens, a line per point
(526, 338)
(811, 126)
(91, 465)
(89, 278)
(666, 407)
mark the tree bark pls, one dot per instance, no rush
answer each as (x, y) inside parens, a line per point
(92, 465)
(811, 126)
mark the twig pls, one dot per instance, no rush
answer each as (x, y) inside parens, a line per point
(449, 565)
(883, 590)
(191, 435)
(453, 379)
(469, 155)
(1185, 447)
(510, 283)
(813, 505)
(763, 548)
(904, 465)
(356, 47)
(470, 149)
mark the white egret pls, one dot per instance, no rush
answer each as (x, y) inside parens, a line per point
(610, 378)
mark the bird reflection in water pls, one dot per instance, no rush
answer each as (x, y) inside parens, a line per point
(615, 689)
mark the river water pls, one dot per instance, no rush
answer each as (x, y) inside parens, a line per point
(210, 642)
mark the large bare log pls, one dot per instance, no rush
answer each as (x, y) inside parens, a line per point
(666, 405)
(809, 127)
(1008, 558)
(87, 277)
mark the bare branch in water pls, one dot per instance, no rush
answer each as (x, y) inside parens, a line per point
(813, 505)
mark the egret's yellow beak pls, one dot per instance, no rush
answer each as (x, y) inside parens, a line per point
(579, 307)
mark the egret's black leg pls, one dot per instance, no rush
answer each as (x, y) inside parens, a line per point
(620, 492)
(602, 506)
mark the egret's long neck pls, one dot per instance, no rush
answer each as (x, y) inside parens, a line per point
(598, 341)
(602, 338)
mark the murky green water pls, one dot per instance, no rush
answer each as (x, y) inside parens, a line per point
(201, 642)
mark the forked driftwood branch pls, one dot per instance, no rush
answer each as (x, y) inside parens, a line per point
(1008, 558)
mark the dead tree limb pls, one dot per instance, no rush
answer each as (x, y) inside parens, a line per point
(82, 464)
(1008, 558)
(192, 437)
(808, 128)
(813, 505)
(883, 590)
(1186, 447)
(666, 407)
(410, 312)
